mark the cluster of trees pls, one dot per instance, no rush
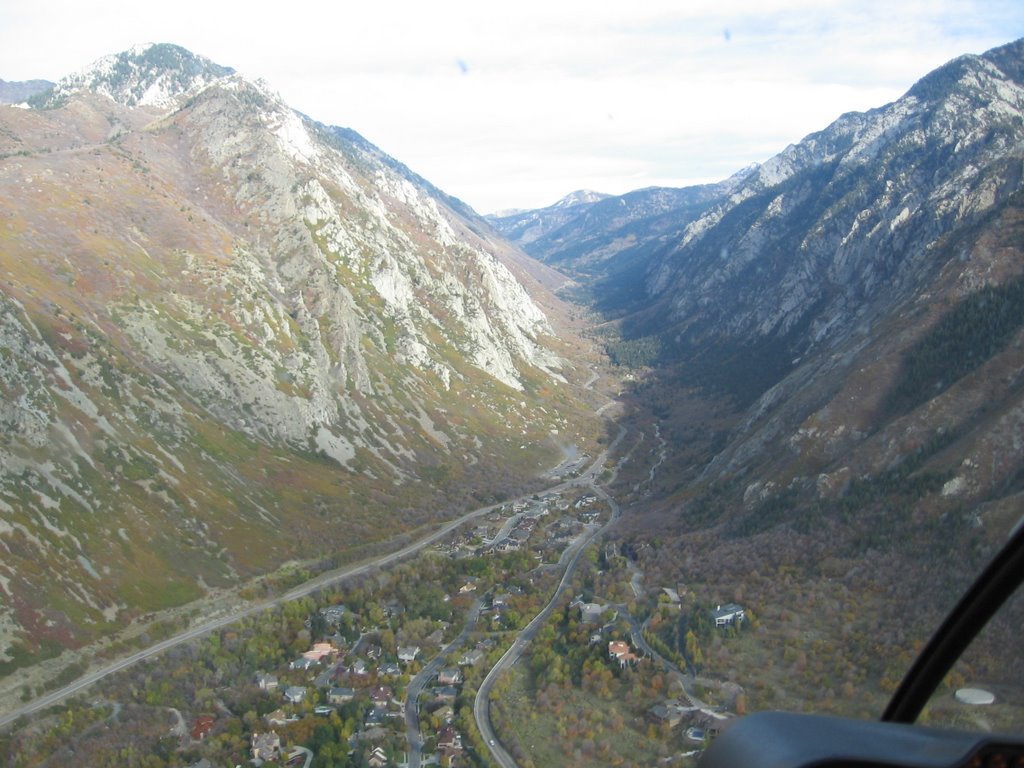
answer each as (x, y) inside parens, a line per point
(965, 337)
(633, 353)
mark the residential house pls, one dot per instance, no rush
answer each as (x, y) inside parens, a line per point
(449, 676)
(340, 695)
(266, 746)
(520, 535)
(444, 713)
(408, 653)
(590, 613)
(728, 615)
(295, 694)
(382, 695)
(660, 714)
(360, 668)
(671, 594)
(435, 638)
(323, 710)
(670, 712)
(202, 726)
(449, 738)
(325, 678)
(449, 745)
(303, 664)
(378, 758)
(320, 652)
(278, 717)
(471, 658)
(266, 681)
(619, 649)
(375, 716)
(389, 670)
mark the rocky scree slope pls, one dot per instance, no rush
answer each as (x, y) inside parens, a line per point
(231, 337)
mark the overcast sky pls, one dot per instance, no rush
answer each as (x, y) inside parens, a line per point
(516, 103)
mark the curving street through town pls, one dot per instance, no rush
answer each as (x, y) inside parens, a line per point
(423, 677)
(568, 562)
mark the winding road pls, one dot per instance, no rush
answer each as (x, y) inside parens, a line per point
(569, 559)
(424, 676)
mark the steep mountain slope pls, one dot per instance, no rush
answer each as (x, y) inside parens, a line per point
(839, 228)
(232, 337)
(838, 381)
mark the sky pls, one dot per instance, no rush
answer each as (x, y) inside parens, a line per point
(516, 104)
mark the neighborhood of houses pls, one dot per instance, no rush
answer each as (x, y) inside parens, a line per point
(364, 671)
(509, 529)
(335, 673)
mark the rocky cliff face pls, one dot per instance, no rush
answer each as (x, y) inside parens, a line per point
(230, 337)
(845, 316)
(849, 221)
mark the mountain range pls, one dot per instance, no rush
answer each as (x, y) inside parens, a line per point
(234, 338)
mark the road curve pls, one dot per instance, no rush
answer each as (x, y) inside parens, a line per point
(570, 558)
(424, 676)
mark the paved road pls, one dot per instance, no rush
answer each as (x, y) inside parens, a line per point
(685, 679)
(202, 629)
(307, 756)
(424, 676)
(570, 558)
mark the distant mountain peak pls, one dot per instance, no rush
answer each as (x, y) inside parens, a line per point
(580, 196)
(16, 92)
(150, 74)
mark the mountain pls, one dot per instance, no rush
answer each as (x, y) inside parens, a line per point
(146, 75)
(13, 92)
(839, 229)
(233, 338)
(590, 236)
(524, 226)
(831, 393)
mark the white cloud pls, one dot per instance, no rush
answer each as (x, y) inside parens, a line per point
(515, 104)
